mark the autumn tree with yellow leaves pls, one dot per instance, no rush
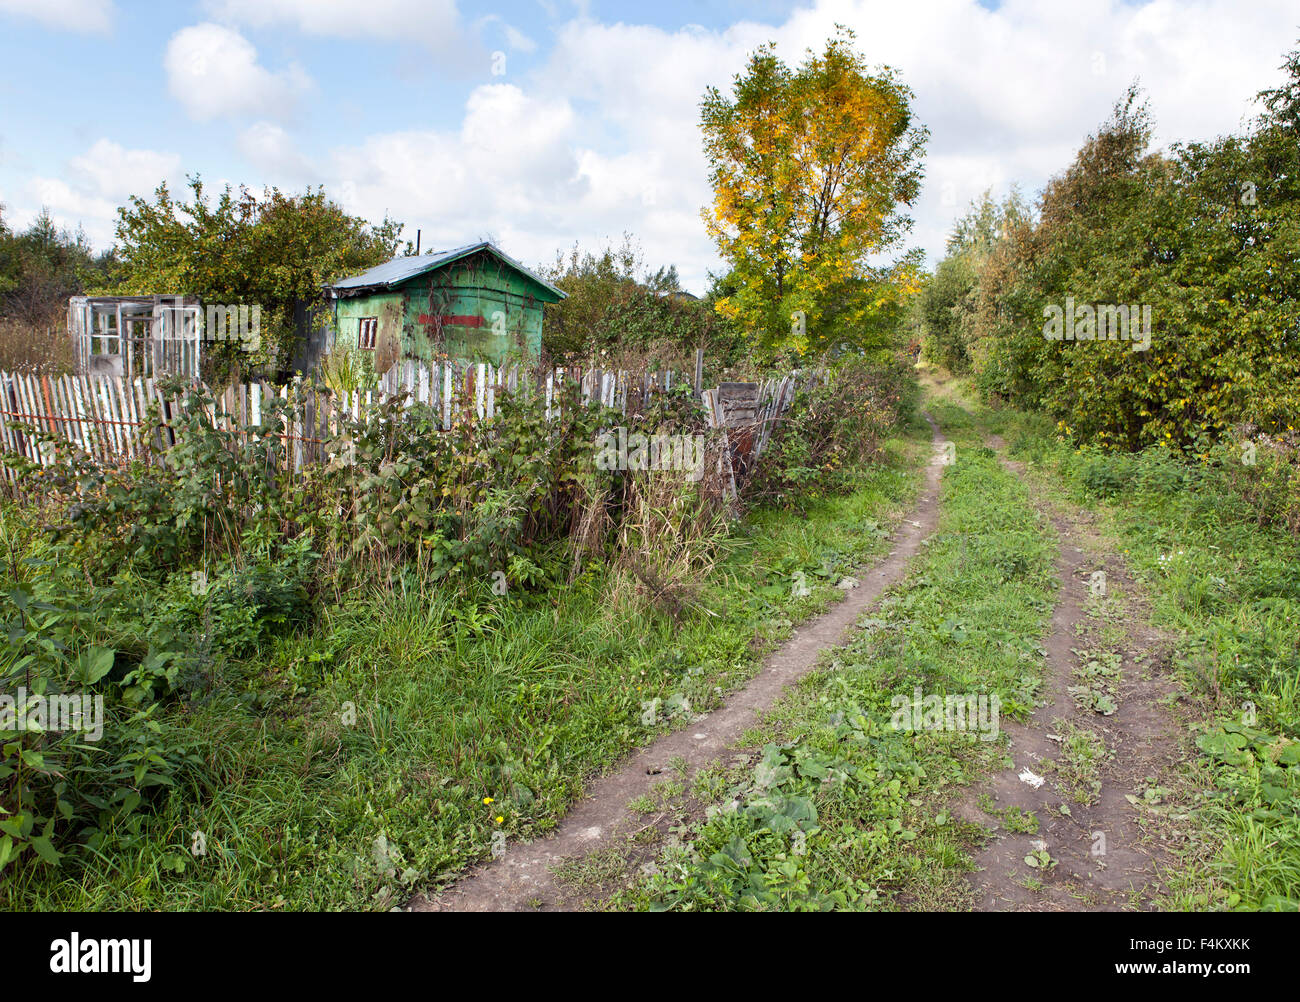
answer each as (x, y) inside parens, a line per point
(812, 169)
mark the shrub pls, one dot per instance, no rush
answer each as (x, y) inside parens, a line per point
(833, 425)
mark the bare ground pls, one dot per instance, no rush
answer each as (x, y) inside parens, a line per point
(524, 877)
(1107, 851)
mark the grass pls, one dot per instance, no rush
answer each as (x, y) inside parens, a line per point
(388, 746)
(844, 810)
(1226, 590)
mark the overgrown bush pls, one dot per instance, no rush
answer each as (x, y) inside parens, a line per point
(160, 584)
(1205, 236)
(836, 423)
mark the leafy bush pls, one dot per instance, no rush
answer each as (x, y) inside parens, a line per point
(1269, 484)
(170, 587)
(833, 426)
(1205, 236)
(64, 787)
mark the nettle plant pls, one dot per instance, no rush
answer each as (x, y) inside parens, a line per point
(198, 488)
(67, 788)
(477, 497)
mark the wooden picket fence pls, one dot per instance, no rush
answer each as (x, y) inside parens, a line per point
(105, 416)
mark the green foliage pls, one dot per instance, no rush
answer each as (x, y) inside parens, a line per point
(403, 705)
(940, 306)
(42, 266)
(1214, 541)
(843, 810)
(811, 169)
(833, 428)
(276, 252)
(946, 309)
(226, 610)
(1206, 237)
(62, 787)
(616, 310)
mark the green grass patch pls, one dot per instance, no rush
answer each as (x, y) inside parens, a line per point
(385, 749)
(845, 810)
(1225, 585)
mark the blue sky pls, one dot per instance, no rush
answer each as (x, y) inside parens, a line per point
(543, 122)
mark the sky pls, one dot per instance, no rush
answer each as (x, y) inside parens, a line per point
(541, 123)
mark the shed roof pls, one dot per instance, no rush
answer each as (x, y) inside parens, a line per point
(401, 269)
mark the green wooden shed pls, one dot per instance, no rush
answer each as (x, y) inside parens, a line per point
(474, 302)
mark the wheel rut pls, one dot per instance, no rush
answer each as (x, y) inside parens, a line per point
(523, 876)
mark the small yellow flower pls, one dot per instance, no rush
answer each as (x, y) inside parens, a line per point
(487, 800)
(500, 819)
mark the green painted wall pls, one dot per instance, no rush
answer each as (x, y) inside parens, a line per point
(471, 291)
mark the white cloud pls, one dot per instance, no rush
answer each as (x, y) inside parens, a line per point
(213, 71)
(70, 208)
(601, 134)
(97, 182)
(115, 173)
(93, 17)
(510, 168)
(515, 39)
(270, 148)
(604, 136)
(434, 26)
(1008, 95)
(388, 19)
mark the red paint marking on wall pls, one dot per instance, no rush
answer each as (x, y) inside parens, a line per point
(459, 320)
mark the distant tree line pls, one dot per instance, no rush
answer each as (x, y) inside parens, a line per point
(1206, 236)
(618, 311)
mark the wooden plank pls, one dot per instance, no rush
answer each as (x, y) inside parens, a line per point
(98, 427)
(89, 417)
(128, 415)
(44, 419)
(64, 428)
(109, 407)
(15, 396)
(446, 396)
(79, 410)
(9, 434)
(28, 409)
(123, 405)
(22, 408)
(140, 396)
(7, 439)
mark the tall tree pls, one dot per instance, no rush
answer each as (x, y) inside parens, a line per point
(274, 251)
(810, 169)
(41, 267)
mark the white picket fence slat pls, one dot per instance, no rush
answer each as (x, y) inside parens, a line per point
(106, 416)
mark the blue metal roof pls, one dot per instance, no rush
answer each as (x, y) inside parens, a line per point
(400, 269)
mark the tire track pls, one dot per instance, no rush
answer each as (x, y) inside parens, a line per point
(523, 877)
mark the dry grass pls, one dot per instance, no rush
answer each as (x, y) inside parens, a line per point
(43, 347)
(669, 539)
